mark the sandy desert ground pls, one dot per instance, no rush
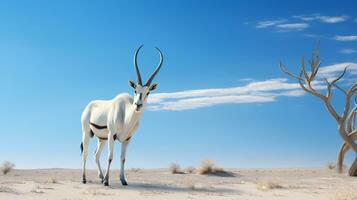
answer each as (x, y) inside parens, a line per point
(64, 184)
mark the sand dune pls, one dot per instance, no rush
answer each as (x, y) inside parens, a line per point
(64, 184)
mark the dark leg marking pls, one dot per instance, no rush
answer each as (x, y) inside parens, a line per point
(128, 138)
(106, 178)
(123, 182)
(115, 137)
(91, 133)
(81, 148)
(84, 180)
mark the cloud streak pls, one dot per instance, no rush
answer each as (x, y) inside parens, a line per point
(252, 92)
(346, 38)
(269, 23)
(323, 18)
(299, 22)
(292, 27)
(348, 51)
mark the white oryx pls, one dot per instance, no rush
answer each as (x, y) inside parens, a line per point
(115, 119)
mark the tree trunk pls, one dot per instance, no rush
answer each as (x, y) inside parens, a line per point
(341, 155)
(353, 168)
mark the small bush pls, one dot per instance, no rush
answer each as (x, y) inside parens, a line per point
(5, 189)
(175, 168)
(209, 167)
(190, 170)
(191, 186)
(345, 194)
(51, 180)
(330, 165)
(269, 185)
(6, 167)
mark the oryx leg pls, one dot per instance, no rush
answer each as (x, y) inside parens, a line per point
(86, 134)
(97, 153)
(124, 145)
(110, 158)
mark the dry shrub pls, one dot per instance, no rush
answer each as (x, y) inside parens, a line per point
(206, 167)
(95, 192)
(190, 170)
(175, 168)
(51, 181)
(209, 167)
(5, 189)
(330, 165)
(345, 194)
(135, 170)
(191, 186)
(269, 185)
(6, 167)
(37, 190)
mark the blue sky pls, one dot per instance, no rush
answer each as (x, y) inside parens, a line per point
(221, 94)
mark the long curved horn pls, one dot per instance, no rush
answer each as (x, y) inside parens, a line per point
(157, 68)
(140, 82)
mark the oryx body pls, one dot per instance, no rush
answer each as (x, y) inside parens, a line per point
(115, 119)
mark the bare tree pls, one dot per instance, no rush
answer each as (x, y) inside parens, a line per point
(346, 119)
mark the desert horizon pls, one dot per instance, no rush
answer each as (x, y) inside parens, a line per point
(289, 183)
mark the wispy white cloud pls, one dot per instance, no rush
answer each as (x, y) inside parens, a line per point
(322, 18)
(346, 38)
(336, 69)
(281, 25)
(348, 51)
(311, 35)
(269, 23)
(292, 27)
(252, 92)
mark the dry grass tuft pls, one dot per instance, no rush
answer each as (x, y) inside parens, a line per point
(346, 194)
(175, 168)
(191, 186)
(6, 167)
(52, 180)
(209, 167)
(37, 190)
(190, 170)
(269, 185)
(331, 166)
(135, 170)
(5, 189)
(95, 192)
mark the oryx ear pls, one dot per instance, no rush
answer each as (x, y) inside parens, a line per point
(153, 86)
(132, 84)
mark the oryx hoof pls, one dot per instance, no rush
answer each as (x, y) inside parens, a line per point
(123, 182)
(106, 182)
(84, 181)
(101, 178)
